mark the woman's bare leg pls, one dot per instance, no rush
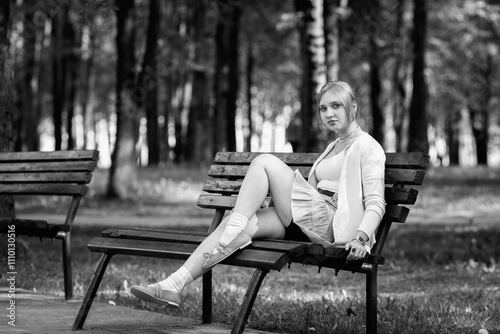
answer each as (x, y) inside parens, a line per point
(268, 225)
(266, 174)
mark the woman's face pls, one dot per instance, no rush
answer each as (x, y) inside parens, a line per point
(333, 114)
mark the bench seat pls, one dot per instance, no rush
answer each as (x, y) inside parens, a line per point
(34, 228)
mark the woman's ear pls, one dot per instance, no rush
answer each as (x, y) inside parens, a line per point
(354, 109)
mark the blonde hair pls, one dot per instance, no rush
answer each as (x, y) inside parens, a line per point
(346, 96)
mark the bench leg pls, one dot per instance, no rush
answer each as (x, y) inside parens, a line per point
(371, 301)
(91, 291)
(250, 295)
(68, 279)
(206, 315)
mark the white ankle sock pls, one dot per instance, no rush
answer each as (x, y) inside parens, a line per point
(177, 281)
(234, 226)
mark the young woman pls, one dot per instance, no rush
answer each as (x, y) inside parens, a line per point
(341, 204)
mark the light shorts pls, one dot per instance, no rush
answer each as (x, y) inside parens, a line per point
(313, 212)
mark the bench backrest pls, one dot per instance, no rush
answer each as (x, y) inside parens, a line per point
(402, 169)
(64, 173)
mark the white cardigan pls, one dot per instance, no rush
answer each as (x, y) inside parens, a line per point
(361, 189)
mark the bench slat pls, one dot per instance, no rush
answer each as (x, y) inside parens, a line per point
(392, 176)
(246, 157)
(36, 177)
(291, 248)
(393, 160)
(411, 160)
(62, 166)
(39, 228)
(404, 176)
(43, 189)
(227, 187)
(244, 258)
(239, 171)
(49, 156)
(393, 213)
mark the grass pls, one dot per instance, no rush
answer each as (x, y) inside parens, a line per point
(439, 278)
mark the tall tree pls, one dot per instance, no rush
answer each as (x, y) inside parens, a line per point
(28, 134)
(249, 83)
(8, 112)
(478, 100)
(333, 12)
(312, 54)
(418, 140)
(87, 79)
(226, 82)
(199, 132)
(123, 170)
(71, 47)
(182, 79)
(375, 80)
(148, 79)
(400, 76)
(58, 72)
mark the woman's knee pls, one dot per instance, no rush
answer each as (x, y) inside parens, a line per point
(266, 160)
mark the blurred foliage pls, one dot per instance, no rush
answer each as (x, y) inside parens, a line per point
(462, 39)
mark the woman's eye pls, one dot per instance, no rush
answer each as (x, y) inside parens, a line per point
(335, 105)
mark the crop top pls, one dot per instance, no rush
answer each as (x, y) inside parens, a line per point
(328, 172)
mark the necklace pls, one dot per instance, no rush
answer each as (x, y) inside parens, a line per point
(350, 135)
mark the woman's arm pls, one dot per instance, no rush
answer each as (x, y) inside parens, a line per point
(372, 174)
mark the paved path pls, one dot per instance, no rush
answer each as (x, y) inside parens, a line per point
(43, 314)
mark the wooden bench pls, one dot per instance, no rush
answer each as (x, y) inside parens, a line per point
(226, 174)
(59, 173)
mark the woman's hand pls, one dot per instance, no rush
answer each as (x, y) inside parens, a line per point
(356, 250)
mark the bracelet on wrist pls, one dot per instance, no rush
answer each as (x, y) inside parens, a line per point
(360, 239)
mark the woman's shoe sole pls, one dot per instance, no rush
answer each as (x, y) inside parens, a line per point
(148, 297)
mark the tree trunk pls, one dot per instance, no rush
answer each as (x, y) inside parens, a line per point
(28, 132)
(332, 17)
(198, 132)
(123, 171)
(58, 73)
(149, 81)
(9, 114)
(71, 60)
(399, 95)
(218, 120)
(478, 105)
(376, 86)
(226, 77)
(233, 78)
(167, 111)
(418, 140)
(249, 84)
(312, 45)
(89, 130)
(452, 131)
